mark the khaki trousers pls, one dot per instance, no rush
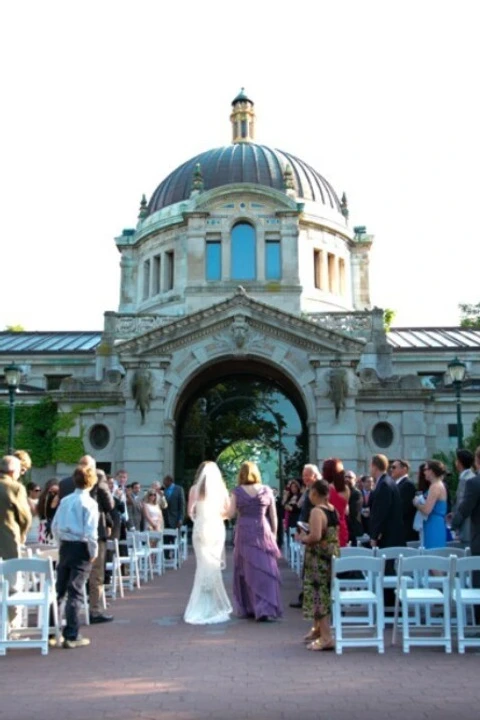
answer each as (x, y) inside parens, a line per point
(97, 580)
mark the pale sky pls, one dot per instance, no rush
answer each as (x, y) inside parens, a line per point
(101, 99)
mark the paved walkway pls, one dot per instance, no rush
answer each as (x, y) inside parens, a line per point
(150, 665)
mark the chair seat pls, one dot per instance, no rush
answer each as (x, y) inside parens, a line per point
(468, 596)
(424, 595)
(357, 596)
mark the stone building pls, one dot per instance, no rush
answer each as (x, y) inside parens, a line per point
(245, 316)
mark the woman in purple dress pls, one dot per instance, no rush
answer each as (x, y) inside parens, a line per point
(256, 579)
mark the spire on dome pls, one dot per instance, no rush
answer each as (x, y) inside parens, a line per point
(143, 208)
(344, 206)
(242, 119)
(197, 181)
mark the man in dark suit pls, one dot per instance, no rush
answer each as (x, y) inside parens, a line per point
(174, 513)
(386, 521)
(399, 470)
(470, 508)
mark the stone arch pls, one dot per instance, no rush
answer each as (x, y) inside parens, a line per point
(292, 442)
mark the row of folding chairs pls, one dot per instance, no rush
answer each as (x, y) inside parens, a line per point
(424, 581)
(28, 583)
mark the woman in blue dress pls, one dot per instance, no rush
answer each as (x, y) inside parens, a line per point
(435, 507)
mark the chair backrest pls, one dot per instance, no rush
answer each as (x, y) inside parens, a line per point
(467, 564)
(393, 553)
(170, 534)
(414, 544)
(359, 563)
(357, 552)
(425, 563)
(446, 552)
(29, 566)
(112, 545)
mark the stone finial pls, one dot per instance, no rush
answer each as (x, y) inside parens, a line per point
(197, 182)
(344, 206)
(288, 183)
(143, 208)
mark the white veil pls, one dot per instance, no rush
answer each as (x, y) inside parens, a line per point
(210, 487)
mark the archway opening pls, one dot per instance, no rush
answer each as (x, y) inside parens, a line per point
(241, 410)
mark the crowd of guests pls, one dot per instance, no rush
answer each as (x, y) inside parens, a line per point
(334, 508)
(80, 513)
(329, 509)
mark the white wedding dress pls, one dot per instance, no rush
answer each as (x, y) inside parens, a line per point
(209, 602)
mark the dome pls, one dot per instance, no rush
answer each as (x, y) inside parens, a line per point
(244, 163)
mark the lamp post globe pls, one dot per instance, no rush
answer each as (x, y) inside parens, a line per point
(13, 374)
(456, 370)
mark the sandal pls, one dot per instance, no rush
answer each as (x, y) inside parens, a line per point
(312, 635)
(319, 645)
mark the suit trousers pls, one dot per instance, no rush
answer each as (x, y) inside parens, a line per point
(97, 579)
(73, 569)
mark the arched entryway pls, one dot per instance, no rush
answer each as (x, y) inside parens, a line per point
(241, 410)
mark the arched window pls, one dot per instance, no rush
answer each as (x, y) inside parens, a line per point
(243, 252)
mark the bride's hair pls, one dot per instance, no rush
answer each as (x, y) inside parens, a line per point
(208, 478)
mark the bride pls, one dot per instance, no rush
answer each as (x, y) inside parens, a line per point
(208, 505)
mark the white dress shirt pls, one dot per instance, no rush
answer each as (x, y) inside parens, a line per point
(77, 520)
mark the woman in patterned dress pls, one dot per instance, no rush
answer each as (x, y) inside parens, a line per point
(322, 545)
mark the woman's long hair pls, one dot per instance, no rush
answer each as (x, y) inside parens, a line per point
(334, 474)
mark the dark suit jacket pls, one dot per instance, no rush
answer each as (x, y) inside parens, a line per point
(175, 512)
(66, 487)
(406, 488)
(386, 523)
(470, 508)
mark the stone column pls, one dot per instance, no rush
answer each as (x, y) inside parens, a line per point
(128, 281)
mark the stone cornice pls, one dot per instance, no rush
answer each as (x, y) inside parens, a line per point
(273, 321)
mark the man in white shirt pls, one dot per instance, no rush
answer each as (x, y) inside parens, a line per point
(75, 528)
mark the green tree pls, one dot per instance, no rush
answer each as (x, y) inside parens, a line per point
(388, 318)
(470, 315)
(473, 441)
(14, 328)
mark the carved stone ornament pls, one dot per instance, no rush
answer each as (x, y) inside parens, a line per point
(239, 337)
(338, 388)
(142, 390)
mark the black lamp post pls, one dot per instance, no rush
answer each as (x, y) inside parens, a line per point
(13, 374)
(457, 370)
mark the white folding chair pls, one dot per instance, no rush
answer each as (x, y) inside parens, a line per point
(171, 546)
(183, 543)
(144, 555)
(370, 596)
(423, 594)
(360, 582)
(130, 561)
(465, 597)
(292, 546)
(157, 551)
(390, 581)
(113, 566)
(37, 592)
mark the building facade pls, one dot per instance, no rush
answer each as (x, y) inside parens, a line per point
(245, 317)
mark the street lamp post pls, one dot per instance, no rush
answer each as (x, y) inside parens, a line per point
(457, 370)
(13, 374)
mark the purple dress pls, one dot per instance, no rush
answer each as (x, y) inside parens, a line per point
(256, 579)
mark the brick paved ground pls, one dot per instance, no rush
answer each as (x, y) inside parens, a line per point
(148, 664)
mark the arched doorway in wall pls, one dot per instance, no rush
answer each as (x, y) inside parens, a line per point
(241, 410)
